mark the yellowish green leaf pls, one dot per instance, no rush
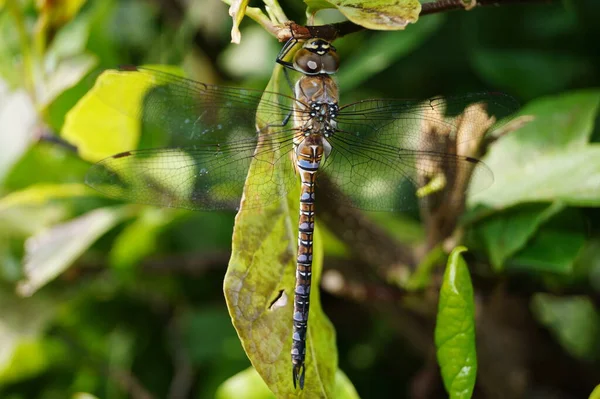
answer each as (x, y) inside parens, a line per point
(248, 382)
(373, 14)
(106, 121)
(259, 289)
(595, 393)
(343, 387)
(253, 387)
(98, 130)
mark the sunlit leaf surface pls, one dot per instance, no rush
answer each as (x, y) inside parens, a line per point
(550, 158)
(96, 127)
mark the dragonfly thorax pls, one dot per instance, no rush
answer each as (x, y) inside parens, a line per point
(316, 110)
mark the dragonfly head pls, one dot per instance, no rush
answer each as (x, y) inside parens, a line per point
(317, 56)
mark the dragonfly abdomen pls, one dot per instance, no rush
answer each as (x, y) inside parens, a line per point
(309, 153)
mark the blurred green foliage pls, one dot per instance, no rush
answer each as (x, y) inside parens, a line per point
(111, 300)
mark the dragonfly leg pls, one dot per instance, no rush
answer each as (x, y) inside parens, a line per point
(284, 51)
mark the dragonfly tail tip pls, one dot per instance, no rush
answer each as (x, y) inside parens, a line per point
(298, 375)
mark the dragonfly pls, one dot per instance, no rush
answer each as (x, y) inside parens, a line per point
(201, 141)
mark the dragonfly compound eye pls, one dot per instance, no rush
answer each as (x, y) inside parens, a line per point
(307, 62)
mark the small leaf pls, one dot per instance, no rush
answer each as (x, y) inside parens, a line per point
(507, 232)
(455, 329)
(572, 320)
(373, 14)
(237, 10)
(51, 252)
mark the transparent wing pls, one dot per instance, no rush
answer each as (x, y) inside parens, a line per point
(200, 178)
(198, 142)
(410, 118)
(386, 153)
(176, 111)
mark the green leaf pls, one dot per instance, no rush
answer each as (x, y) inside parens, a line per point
(549, 159)
(259, 289)
(373, 14)
(455, 328)
(595, 393)
(343, 387)
(551, 250)
(572, 320)
(382, 51)
(52, 164)
(507, 232)
(41, 193)
(253, 387)
(249, 382)
(51, 252)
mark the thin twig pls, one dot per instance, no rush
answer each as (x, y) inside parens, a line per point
(333, 31)
(183, 376)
